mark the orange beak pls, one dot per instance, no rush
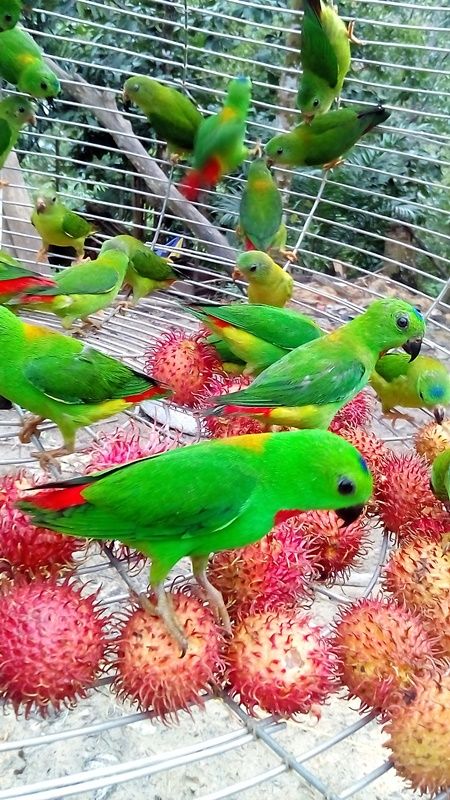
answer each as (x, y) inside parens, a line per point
(32, 119)
(308, 118)
(40, 205)
(237, 274)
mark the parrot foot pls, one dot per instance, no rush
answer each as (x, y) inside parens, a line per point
(80, 259)
(3, 184)
(175, 158)
(41, 254)
(289, 254)
(124, 305)
(29, 428)
(332, 164)
(256, 150)
(213, 595)
(351, 34)
(89, 325)
(396, 415)
(48, 458)
(164, 610)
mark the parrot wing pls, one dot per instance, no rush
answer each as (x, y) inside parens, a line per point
(75, 226)
(217, 133)
(5, 135)
(321, 382)
(323, 123)
(85, 377)
(149, 265)
(280, 327)
(87, 279)
(260, 217)
(317, 54)
(392, 366)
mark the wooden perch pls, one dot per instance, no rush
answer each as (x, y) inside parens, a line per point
(105, 110)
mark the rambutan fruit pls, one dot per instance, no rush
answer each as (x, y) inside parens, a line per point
(436, 619)
(266, 575)
(222, 427)
(371, 447)
(25, 548)
(403, 491)
(336, 545)
(52, 641)
(123, 445)
(357, 413)
(150, 671)
(433, 439)
(419, 735)
(184, 362)
(430, 529)
(281, 662)
(382, 648)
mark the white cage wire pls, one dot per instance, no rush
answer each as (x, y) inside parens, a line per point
(350, 251)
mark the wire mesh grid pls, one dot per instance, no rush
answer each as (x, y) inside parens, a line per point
(376, 226)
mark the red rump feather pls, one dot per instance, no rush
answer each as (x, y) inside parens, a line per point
(146, 394)
(58, 499)
(247, 410)
(16, 285)
(203, 178)
(36, 298)
(249, 245)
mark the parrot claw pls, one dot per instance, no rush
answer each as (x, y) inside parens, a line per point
(48, 458)
(3, 184)
(164, 610)
(332, 164)
(256, 150)
(124, 305)
(215, 599)
(41, 254)
(289, 254)
(174, 158)
(29, 429)
(351, 35)
(396, 415)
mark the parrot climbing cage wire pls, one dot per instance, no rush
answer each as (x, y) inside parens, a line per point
(378, 225)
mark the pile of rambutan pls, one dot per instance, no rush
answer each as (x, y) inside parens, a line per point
(221, 427)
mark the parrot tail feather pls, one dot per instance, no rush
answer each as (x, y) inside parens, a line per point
(203, 178)
(222, 411)
(249, 245)
(56, 499)
(24, 284)
(155, 390)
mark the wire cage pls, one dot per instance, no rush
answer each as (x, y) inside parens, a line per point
(376, 226)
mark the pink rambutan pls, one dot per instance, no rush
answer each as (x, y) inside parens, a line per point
(123, 445)
(266, 575)
(403, 491)
(433, 439)
(221, 427)
(281, 662)
(150, 671)
(418, 728)
(371, 447)
(336, 544)
(430, 529)
(24, 548)
(184, 362)
(52, 640)
(382, 648)
(356, 413)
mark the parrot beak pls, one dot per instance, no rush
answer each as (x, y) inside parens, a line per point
(126, 100)
(350, 514)
(270, 162)
(412, 347)
(51, 103)
(40, 205)
(32, 119)
(237, 274)
(308, 118)
(439, 414)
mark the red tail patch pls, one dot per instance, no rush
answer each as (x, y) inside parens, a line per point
(247, 410)
(249, 245)
(152, 391)
(198, 179)
(58, 499)
(16, 285)
(285, 514)
(27, 299)
(219, 323)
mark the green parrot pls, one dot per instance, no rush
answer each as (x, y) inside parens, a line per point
(259, 335)
(308, 386)
(207, 497)
(329, 137)
(15, 112)
(79, 290)
(147, 272)
(219, 143)
(23, 65)
(60, 226)
(59, 378)
(425, 383)
(173, 116)
(268, 283)
(15, 278)
(10, 12)
(325, 57)
(261, 211)
(440, 476)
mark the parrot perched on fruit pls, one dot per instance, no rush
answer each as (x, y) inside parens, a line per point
(23, 65)
(440, 476)
(219, 143)
(425, 383)
(15, 278)
(173, 116)
(147, 272)
(207, 497)
(60, 226)
(15, 112)
(325, 57)
(329, 137)
(257, 334)
(261, 212)
(10, 11)
(79, 290)
(59, 378)
(268, 283)
(308, 386)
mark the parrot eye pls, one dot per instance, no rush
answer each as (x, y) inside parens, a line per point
(253, 269)
(8, 18)
(346, 486)
(402, 322)
(316, 103)
(44, 86)
(53, 199)
(280, 151)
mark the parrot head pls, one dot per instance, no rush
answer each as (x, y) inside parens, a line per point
(19, 111)
(259, 174)
(137, 89)
(239, 94)
(39, 81)
(282, 149)
(9, 17)
(433, 388)
(254, 266)
(440, 476)
(314, 97)
(45, 203)
(391, 323)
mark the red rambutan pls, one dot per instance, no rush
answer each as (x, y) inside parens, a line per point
(266, 575)
(419, 735)
(222, 427)
(369, 445)
(183, 361)
(403, 492)
(433, 439)
(150, 671)
(357, 413)
(127, 444)
(281, 662)
(336, 545)
(382, 648)
(25, 548)
(430, 529)
(52, 641)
